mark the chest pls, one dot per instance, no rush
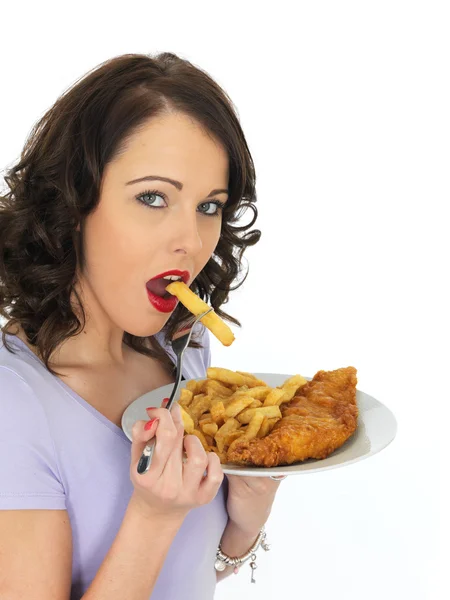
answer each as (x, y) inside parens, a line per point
(112, 390)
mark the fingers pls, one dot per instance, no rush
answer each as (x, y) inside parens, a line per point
(199, 477)
(198, 461)
(175, 411)
(166, 435)
(174, 465)
(211, 483)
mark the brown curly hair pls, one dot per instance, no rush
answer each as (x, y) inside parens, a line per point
(56, 183)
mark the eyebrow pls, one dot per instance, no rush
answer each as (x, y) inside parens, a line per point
(174, 182)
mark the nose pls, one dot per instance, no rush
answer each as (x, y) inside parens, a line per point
(186, 236)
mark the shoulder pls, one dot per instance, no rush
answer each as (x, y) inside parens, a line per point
(12, 355)
(24, 388)
(18, 371)
(30, 477)
(12, 374)
(19, 405)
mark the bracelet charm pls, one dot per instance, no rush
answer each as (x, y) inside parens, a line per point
(253, 566)
(223, 560)
(219, 565)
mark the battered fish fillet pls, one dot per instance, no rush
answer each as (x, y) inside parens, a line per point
(318, 420)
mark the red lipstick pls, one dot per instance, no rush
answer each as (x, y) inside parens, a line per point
(183, 274)
(159, 298)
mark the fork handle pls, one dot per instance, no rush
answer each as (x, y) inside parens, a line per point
(147, 454)
(176, 387)
(146, 457)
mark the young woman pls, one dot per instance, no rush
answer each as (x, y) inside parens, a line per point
(139, 169)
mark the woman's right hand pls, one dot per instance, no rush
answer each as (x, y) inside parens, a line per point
(172, 487)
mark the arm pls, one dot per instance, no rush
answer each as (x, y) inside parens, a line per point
(135, 559)
(36, 564)
(35, 531)
(235, 542)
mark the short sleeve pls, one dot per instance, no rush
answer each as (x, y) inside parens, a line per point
(29, 475)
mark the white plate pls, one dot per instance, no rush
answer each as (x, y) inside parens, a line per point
(376, 429)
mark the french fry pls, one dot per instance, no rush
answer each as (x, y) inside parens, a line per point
(272, 422)
(237, 405)
(227, 427)
(294, 381)
(264, 429)
(206, 417)
(260, 392)
(255, 404)
(202, 438)
(254, 382)
(291, 386)
(200, 406)
(210, 429)
(289, 393)
(254, 426)
(218, 413)
(188, 421)
(194, 402)
(233, 378)
(241, 389)
(257, 393)
(229, 407)
(197, 306)
(186, 397)
(266, 411)
(229, 438)
(215, 388)
(210, 441)
(194, 386)
(225, 376)
(267, 426)
(251, 431)
(246, 374)
(274, 397)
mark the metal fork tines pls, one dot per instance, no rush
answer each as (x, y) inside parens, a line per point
(180, 341)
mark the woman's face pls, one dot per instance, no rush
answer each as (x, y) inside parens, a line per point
(140, 230)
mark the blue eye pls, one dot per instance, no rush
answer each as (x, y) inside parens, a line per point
(150, 193)
(148, 197)
(218, 207)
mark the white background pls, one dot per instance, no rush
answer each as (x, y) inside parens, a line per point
(345, 106)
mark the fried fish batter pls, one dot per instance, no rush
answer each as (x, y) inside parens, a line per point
(319, 419)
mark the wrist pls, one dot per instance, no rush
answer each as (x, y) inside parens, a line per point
(148, 515)
(249, 529)
(236, 540)
(231, 554)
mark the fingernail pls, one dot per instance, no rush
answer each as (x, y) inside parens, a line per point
(164, 402)
(149, 424)
(151, 408)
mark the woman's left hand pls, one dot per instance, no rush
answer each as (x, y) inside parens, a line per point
(250, 501)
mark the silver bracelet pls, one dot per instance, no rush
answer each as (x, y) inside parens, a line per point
(223, 560)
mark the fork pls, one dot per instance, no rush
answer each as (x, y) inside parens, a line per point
(180, 341)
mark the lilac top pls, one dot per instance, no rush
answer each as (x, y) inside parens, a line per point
(58, 452)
